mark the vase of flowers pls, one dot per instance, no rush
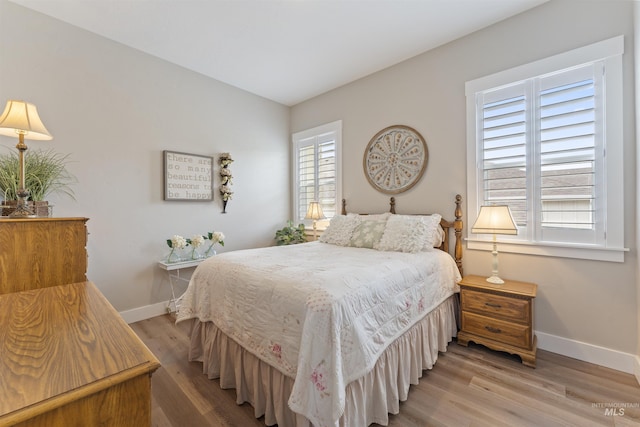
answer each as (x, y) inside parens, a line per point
(195, 242)
(214, 237)
(177, 244)
(225, 179)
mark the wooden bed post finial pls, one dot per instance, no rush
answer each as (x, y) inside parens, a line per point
(457, 226)
(344, 206)
(392, 205)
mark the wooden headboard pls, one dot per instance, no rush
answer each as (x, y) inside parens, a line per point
(454, 226)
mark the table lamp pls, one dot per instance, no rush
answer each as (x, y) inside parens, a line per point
(315, 213)
(20, 119)
(495, 219)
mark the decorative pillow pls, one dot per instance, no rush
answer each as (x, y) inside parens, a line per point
(376, 217)
(411, 233)
(439, 238)
(403, 233)
(340, 229)
(368, 232)
(435, 233)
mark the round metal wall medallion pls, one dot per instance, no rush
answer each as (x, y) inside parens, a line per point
(395, 159)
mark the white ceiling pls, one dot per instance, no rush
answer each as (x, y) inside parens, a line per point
(284, 50)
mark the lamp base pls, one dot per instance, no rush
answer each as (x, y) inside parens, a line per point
(495, 280)
(22, 210)
(25, 213)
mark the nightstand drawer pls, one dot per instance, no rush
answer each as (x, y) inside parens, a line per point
(496, 305)
(497, 330)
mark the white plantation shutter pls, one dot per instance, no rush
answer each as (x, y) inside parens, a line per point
(503, 133)
(306, 175)
(327, 188)
(539, 145)
(571, 152)
(317, 170)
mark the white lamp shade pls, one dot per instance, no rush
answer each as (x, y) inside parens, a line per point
(21, 117)
(314, 211)
(495, 220)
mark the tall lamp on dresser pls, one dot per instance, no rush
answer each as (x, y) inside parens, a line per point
(20, 119)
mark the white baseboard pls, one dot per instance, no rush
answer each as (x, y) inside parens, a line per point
(602, 356)
(146, 312)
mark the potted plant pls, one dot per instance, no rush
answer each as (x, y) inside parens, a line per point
(45, 174)
(290, 235)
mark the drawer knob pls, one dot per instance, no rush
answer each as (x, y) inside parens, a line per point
(490, 304)
(493, 330)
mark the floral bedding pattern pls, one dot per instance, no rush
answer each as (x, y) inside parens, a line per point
(319, 313)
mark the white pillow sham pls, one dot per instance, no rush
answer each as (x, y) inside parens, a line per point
(411, 233)
(340, 229)
(435, 233)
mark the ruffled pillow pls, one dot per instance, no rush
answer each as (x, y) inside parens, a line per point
(340, 230)
(435, 233)
(411, 233)
(376, 217)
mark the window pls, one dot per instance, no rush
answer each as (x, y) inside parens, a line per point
(546, 139)
(317, 170)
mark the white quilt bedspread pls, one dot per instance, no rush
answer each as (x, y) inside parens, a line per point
(319, 313)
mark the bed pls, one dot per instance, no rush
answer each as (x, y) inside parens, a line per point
(331, 332)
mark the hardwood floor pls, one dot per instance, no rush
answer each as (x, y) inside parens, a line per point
(469, 386)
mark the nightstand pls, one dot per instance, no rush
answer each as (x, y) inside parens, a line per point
(499, 316)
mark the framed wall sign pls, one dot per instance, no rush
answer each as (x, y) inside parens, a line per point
(187, 176)
(395, 159)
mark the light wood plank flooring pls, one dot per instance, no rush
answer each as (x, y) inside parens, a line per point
(468, 387)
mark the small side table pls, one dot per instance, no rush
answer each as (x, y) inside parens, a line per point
(174, 279)
(499, 316)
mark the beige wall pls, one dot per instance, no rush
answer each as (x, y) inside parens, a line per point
(585, 301)
(636, 22)
(115, 109)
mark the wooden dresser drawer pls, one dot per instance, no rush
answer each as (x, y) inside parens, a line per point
(499, 306)
(42, 252)
(497, 330)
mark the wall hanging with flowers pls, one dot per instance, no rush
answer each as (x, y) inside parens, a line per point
(194, 248)
(225, 179)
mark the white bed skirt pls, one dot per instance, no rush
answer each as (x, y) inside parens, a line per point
(368, 400)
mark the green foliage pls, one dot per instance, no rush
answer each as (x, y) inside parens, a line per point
(45, 173)
(290, 235)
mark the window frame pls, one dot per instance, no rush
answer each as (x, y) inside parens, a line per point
(611, 247)
(296, 138)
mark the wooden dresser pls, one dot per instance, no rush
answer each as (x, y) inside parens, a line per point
(68, 359)
(498, 316)
(41, 252)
